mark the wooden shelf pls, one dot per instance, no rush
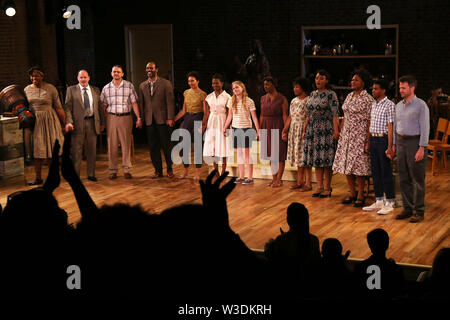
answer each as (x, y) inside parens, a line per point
(367, 42)
(351, 57)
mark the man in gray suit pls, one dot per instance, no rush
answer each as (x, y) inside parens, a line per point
(156, 104)
(85, 117)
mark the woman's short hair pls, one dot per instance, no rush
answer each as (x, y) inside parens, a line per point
(35, 68)
(325, 73)
(365, 77)
(194, 74)
(303, 83)
(272, 80)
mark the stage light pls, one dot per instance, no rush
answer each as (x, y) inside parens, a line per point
(66, 13)
(10, 8)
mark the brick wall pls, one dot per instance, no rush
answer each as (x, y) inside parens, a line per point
(27, 39)
(13, 47)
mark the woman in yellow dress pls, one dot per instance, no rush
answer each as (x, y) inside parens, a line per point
(193, 110)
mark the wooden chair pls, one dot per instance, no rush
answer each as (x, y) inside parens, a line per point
(441, 129)
(443, 147)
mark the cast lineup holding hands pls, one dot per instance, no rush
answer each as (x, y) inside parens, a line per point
(372, 131)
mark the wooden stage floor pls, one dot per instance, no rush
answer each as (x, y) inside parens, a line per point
(257, 212)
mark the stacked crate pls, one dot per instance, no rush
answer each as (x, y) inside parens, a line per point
(11, 148)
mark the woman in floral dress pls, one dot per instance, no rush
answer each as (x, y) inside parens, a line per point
(351, 157)
(294, 132)
(322, 131)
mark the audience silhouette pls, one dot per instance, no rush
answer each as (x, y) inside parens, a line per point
(386, 278)
(188, 251)
(436, 282)
(295, 255)
(335, 271)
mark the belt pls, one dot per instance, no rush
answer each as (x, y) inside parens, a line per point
(88, 117)
(120, 114)
(378, 135)
(407, 137)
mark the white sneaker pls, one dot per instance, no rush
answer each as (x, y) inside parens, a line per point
(388, 208)
(374, 206)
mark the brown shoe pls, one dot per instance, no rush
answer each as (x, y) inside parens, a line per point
(416, 218)
(170, 174)
(127, 175)
(113, 176)
(403, 215)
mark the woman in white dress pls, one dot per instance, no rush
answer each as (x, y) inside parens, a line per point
(216, 145)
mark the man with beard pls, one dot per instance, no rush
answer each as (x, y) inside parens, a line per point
(412, 128)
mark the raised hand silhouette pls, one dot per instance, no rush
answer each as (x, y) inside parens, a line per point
(53, 177)
(214, 198)
(67, 168)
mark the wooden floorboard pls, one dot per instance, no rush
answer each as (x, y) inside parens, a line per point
(257, 212)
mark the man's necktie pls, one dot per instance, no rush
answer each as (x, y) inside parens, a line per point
(87, 106)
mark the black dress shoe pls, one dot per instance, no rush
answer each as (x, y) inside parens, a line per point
(36, 182)
(92, 179)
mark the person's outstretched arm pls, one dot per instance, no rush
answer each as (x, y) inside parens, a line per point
(53, 178)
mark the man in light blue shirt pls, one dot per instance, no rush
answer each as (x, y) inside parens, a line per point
(412, 129)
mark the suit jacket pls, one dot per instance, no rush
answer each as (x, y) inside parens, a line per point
(74, 108)
(161, 105)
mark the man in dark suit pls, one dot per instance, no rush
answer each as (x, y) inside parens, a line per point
(156, 103)
(86, 119)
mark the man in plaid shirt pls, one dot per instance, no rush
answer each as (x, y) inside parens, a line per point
(118, 97)
(380, 148)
